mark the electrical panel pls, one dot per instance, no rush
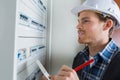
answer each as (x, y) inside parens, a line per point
(30, 38)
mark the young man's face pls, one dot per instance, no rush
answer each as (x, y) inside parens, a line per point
(90, 28)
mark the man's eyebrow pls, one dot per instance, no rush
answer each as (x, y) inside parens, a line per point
(85, 18)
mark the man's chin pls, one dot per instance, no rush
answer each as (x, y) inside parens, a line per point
(81, 41)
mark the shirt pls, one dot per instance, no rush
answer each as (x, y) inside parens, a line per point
(101, 62)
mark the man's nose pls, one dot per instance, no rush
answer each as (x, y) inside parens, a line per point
(79, 26)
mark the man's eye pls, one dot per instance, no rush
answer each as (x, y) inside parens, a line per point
(83, 21)
(86, 21)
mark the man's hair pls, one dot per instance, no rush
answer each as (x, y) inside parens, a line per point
(104, 18)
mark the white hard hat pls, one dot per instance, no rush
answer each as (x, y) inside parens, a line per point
(106, 6)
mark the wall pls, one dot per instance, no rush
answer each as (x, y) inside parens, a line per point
(7, 29)
(64, 45)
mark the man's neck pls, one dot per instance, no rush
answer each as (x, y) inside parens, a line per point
(97, 47)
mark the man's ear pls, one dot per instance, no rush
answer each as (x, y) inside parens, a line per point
(108, 24)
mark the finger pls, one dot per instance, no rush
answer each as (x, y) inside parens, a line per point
(52, 77)
(66, 68)
(63, 73)
(66, 71)
(61, 78)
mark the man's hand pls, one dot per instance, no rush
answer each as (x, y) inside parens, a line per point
(66, 73)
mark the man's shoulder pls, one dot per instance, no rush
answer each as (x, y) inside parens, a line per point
(113, 70)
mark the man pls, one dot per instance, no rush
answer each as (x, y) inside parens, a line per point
(97, 20)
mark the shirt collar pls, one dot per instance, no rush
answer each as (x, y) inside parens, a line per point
(106, 54)
(109, 51)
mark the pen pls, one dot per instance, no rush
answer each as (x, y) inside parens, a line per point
(84, 65)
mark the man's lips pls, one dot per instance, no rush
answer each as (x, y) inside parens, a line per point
(80, 33)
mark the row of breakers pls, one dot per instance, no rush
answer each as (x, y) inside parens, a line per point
(22, 53)
(24, 20)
